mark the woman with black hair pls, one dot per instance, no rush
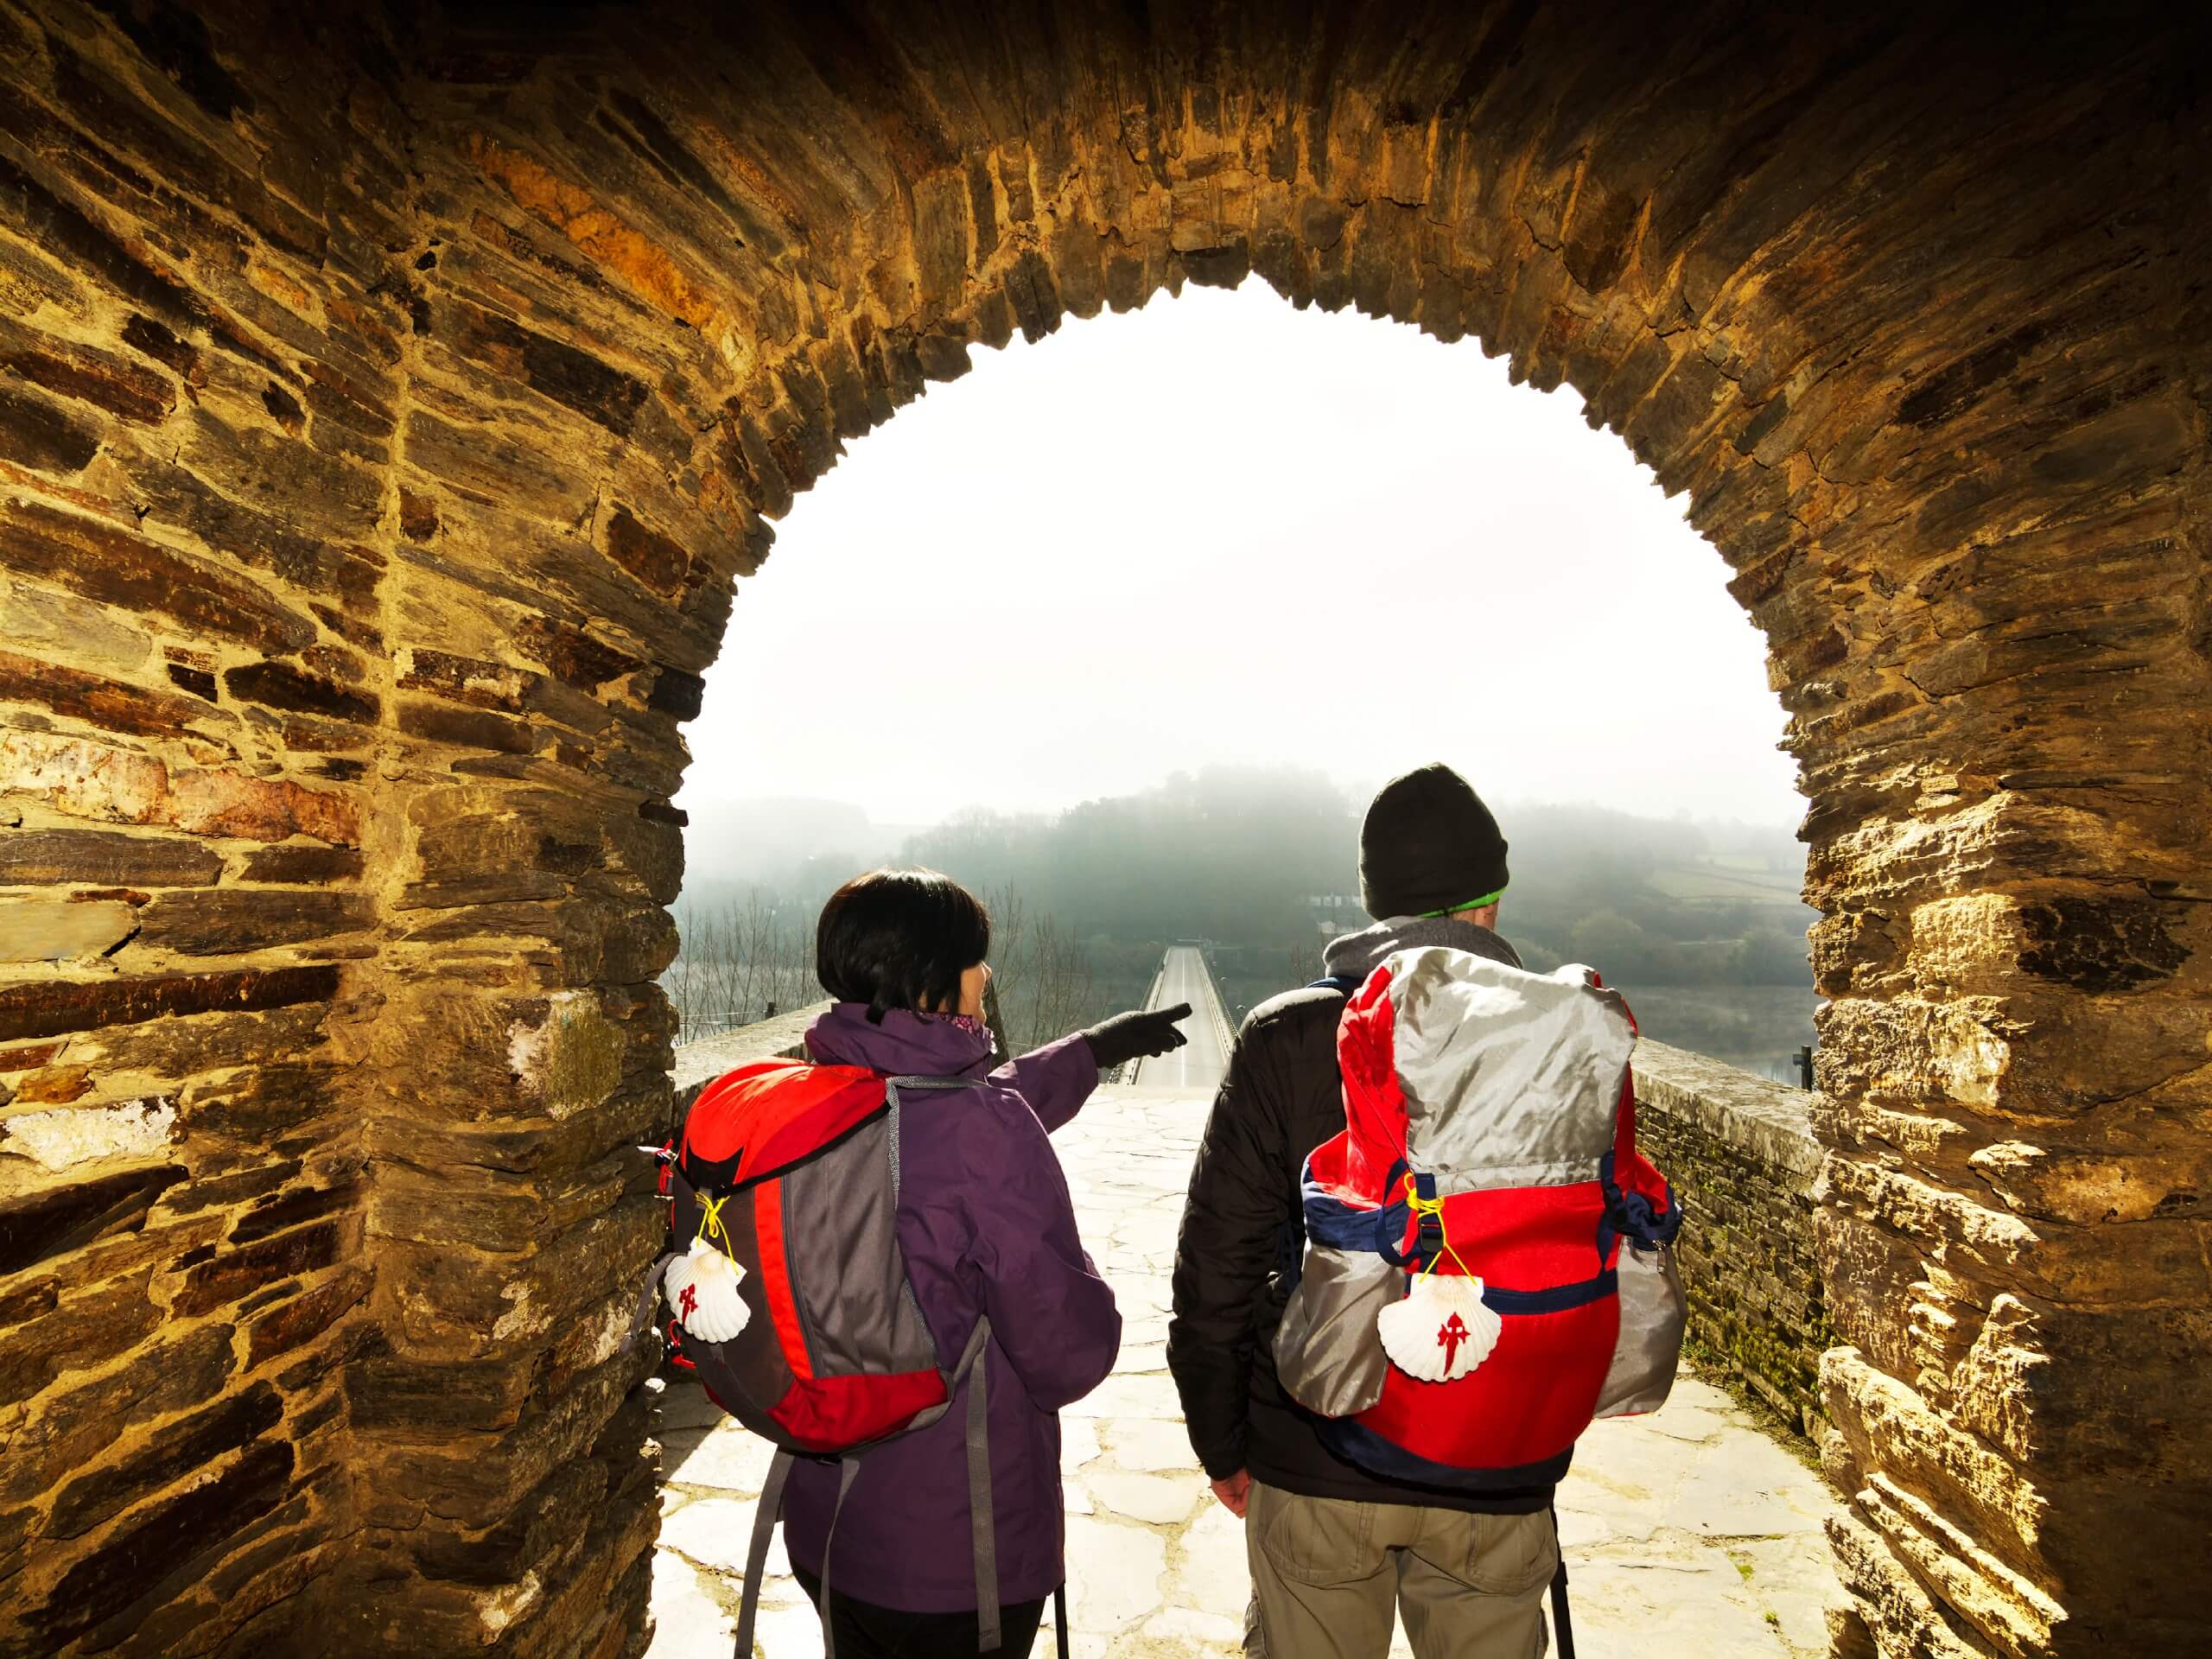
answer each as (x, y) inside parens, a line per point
(987, 1230)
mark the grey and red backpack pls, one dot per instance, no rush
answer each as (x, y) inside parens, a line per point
(786, 1292)
(1487, 1262)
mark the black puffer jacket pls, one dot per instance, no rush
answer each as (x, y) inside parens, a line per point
(1279, 1101)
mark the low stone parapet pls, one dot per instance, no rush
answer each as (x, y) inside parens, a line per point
(1740, 1153)
(699, 1064)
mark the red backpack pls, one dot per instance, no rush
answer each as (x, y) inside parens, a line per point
(787, 1291)
(1488, 1265)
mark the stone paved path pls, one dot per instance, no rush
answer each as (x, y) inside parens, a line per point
(1690, 1534)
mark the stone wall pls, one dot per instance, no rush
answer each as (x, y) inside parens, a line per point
(697, 1065)
(1740, 1153)
(395, 399)
(199, 366)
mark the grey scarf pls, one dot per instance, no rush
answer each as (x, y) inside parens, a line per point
(1356, 954)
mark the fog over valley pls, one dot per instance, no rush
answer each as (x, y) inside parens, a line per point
(1699, 923)
(1124, 628)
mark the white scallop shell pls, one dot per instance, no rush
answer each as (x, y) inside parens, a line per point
(1418, 1333)
(702, 1287)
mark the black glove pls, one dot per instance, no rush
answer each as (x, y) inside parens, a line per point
(1135, 1035)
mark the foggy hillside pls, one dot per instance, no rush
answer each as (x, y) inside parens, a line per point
(1700, 923)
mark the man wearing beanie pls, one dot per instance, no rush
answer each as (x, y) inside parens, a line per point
(1335, 1550)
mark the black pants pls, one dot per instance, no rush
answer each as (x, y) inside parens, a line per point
(865, 1630)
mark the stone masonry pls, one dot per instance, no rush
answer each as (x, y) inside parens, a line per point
(1740, 1153)
(394, 397)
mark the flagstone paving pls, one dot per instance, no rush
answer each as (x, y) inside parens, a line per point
(1689, 1533)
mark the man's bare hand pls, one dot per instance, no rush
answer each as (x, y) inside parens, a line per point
(1235, 1492)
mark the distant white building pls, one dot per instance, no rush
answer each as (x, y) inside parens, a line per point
(1336, 912)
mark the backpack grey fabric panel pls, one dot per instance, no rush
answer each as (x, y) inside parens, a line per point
(1327, 1354)
(1654, 1311)
(849, 1279)
(1510, 1079)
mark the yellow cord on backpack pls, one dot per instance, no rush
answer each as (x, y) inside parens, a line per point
(711, 1228)
(1422, 1206)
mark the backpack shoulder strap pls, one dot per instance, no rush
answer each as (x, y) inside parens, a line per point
(974, 1368)
(891, 1088)
(770, 1508)
(1343, 984)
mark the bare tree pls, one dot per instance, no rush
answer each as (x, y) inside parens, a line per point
(739, 963)
(1041, 972)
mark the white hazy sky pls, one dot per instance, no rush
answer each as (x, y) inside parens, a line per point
(1223, 530)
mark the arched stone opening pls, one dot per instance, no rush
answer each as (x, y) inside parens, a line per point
(398, 401)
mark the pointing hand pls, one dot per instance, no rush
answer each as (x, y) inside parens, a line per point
(1136, 1035)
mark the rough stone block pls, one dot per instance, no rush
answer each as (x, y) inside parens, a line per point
(76, 1424)
(279, 685)
(93, 780)
(41, 434)
(158, 343)
(275, 473)
(99, 858)
(275, 1214)
(463, 679)
(678, 693)
(467, 728)
(116, 567)
(494, 1211)
(66, 230)
(44, 1222)
(179, 1531)
(341, 570)
(36, 929)
(652, 558)
(86, 374)
(180, 1048)
(177, 1451)
(262, 1104)
(1893, 1604)
(231, 1274)
(304, 866)
(291, 1325)
(234, 921)
(448, 1308)
(114, 704)
(49, 1009)
(573, 655)
(480, 1477)
(387, 1392)
(1888, 1426)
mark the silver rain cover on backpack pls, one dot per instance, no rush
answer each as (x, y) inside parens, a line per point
(1654, 1312)
(1327, 1354)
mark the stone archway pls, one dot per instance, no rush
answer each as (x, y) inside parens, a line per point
(394, 405)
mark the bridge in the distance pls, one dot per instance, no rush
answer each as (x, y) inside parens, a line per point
(1198, 1064)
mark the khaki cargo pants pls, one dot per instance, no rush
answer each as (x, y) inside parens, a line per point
(1326, 1575)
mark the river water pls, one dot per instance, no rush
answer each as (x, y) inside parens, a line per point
(1758, 1028)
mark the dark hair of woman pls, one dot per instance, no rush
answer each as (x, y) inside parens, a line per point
(899, 939)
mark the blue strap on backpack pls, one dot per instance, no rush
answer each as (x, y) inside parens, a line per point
(1291, 1241)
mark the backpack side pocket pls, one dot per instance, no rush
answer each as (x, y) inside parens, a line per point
(1655, 1310)
(1328, 1355)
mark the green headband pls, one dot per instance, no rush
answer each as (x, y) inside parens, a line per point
(1471, 904)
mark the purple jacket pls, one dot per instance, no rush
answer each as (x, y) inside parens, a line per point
(987, 1227)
